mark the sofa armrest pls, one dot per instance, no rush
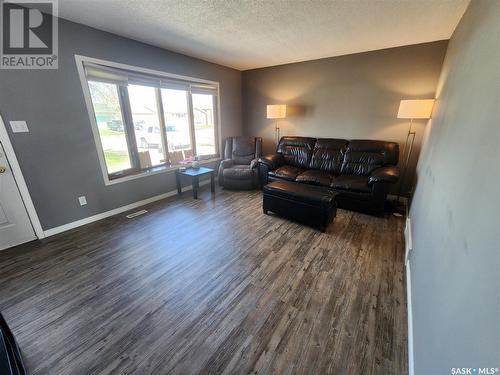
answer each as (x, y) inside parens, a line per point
(272, 161)
(388, 174)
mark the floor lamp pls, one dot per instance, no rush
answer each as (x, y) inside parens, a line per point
(275, 112)
(412, 110)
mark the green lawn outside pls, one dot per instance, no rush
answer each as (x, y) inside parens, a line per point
(116, 160)
(108, 133)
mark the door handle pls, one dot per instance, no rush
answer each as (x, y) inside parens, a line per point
(3, 169)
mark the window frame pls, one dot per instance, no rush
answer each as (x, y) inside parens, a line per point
(130, 174)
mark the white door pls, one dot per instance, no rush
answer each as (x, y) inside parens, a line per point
(15, 224)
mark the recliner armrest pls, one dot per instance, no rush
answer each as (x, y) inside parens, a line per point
(388, 174)
(272, 161)
(226, 163)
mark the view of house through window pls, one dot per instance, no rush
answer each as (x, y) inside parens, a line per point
(146, 122)
(110, 125)
(143, 105)
(177, 125)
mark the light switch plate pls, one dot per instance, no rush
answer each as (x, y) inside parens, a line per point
(82, 200)
(19, 127)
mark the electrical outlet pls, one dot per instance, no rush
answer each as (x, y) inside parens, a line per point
(82, 200)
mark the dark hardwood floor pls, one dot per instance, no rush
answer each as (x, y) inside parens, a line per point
(211, 286)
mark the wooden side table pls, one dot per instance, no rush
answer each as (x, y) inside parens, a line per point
(195, 174)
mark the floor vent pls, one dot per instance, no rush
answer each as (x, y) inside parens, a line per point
(138, 213)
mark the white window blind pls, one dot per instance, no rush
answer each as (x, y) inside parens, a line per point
(122, 77)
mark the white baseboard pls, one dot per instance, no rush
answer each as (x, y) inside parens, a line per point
(409, 249)
(410, 321)
(408, 241)
(103, 215)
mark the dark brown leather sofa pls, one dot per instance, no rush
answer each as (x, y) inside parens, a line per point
(360, 171)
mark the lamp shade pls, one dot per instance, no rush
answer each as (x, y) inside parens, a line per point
(276, 111)
(415, 109)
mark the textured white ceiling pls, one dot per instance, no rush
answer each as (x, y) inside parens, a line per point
(246, 34)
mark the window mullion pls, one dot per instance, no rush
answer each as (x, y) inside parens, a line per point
(191, 120)
(163, 128)
(129, 127)
(215, 99)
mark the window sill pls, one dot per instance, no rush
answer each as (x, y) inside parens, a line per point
(153, 171)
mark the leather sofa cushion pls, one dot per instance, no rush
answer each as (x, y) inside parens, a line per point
(296, 151)
(328, 154)
(286, 172)
(239, 172)
(351, 182)
(364, 156)
(314, 195)
(315, 177)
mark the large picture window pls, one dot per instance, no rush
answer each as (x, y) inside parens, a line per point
(147, 122)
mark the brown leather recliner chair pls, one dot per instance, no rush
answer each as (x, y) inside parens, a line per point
(239, 169)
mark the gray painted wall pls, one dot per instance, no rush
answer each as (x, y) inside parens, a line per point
(455, 213)
(58, 157)
(352, 96)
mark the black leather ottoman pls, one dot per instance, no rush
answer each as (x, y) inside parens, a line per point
(308, 204)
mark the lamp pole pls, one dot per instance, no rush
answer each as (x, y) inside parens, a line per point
(277, 130)
(406, 154)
